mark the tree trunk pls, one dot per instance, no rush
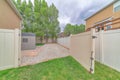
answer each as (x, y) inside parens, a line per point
(55, 40)
(52, 40)
(46, 39)
(41, 39)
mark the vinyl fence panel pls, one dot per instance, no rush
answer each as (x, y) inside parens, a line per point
(99, 46)
(8, 48)
(108, 48)
(64, 41)
(82, 49)
(111, 49)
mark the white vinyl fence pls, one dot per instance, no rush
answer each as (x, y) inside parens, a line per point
(9, 48)
(82, 49)
(108, 48)
(64, 41)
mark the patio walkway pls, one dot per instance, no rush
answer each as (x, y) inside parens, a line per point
(44, 53)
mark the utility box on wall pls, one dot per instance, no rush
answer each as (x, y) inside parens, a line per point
(28, 41)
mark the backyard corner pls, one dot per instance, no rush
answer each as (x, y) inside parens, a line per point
(59, 69)
(55, 40)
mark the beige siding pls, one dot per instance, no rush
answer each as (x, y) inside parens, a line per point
(106, 13)
(102, 15)
(8, 18)
(117, 15)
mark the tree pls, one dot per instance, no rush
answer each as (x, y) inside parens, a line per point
(39, 19)
(74, 29)
(53, 21)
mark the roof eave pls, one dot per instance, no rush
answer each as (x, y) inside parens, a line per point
(14, 8)
(101, 9)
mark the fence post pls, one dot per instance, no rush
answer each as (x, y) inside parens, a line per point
(92, 50)
(16, 47)
(19, 58)
(70, 46)
(101, 46)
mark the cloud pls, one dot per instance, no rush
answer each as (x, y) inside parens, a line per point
(64, 19)
(75, 11)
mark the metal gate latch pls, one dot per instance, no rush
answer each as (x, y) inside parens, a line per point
(94, 37)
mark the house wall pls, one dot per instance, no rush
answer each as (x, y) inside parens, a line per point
(8, 18)
(116, 15)
(99, 16)
(102, 15)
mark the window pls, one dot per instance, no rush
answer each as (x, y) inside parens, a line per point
(98, 28)
(102, 25)
(25, 40)
(117, 6)
(108, 26)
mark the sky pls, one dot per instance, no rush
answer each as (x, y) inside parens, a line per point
(76, 11)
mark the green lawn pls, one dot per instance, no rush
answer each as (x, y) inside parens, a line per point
(59, 69)
(39, 44)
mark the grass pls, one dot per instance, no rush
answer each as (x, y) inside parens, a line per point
(59, 69)
(39, 44)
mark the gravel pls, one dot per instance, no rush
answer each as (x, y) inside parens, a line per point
(42, 54)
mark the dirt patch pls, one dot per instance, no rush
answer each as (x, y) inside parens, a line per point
(31, 53)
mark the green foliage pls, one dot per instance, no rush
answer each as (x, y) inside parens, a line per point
(60, 69)
(40, 18)
(39, 44)
(74, 29)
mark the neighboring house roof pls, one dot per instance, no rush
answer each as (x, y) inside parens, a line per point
(102, 9)
(10, 2)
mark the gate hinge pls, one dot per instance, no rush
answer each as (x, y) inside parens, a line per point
(18, 59)
(91, 52)
(19, 34)
(91, 69)
(91, 58)
(93, 37)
